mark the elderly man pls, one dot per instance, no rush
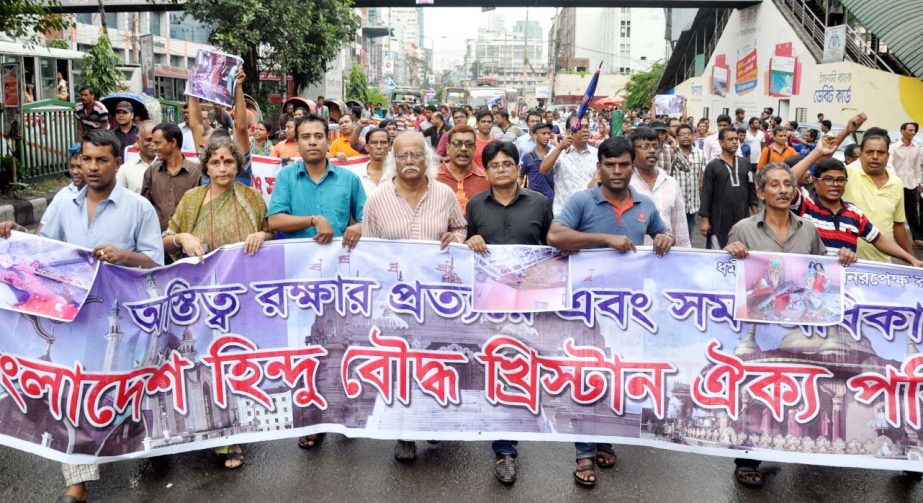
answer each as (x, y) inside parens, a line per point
(131, 174)
(652, 181)
(610, 215)
(121, 228)
(775, 229)
(410, 204)
(462, 173)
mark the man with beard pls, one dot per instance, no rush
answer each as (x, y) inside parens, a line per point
(656, 184)
(127, 131)
(100, 214)
(775, 229)
(727, 194)
(610, 215)
(465, 177)
(506, 214)
(131, 175)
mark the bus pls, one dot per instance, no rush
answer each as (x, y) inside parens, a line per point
(455, 96)
(483, 96)
(406, 95)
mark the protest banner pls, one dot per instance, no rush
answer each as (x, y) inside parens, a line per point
(669, 104)
(383, 342)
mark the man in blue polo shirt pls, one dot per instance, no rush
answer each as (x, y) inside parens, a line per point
(312, 198)
(614, 216)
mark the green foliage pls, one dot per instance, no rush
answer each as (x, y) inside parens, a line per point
(375, 97)
(285, 37)
(357, 86)
(99, 67)
(30, 20)
(641, 87)
(57, 44)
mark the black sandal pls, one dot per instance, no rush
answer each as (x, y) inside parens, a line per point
(311, 441)
(749, 476)
(586, 470)
(601, 459)
(232, 455)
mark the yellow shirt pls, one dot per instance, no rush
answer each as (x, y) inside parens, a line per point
(341, 145)
(883, 205)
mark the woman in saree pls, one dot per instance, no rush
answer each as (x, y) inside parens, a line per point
(220, 213)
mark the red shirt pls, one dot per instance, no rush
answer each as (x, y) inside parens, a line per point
(474, 182)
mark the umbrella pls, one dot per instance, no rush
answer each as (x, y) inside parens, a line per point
(608, 101)
(145, 107)
(300, 102)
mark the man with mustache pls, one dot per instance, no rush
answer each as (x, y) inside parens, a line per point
(131, 175)
(463, 173)
(656, 184)
(727, 194)
(775, 229)
(573, 162)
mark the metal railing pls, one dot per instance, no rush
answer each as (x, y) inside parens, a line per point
(858, 47)
(48, 128)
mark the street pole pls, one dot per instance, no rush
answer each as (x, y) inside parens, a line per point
(525, 55)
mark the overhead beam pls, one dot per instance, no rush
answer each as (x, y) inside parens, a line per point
(86, 7)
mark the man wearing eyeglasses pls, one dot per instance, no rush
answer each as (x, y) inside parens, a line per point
(462, 174)
(573, 162)
(656, 184)
(506, 214)
(840, 223)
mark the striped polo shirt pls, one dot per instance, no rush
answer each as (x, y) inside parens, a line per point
(837, 230)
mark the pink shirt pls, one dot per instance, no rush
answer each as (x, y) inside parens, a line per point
(388, 216)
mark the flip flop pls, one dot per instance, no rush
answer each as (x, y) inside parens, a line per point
(311, 441)
(600, 460)
(591, 469)
(745, 475)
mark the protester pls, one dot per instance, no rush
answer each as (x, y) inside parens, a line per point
(727, 194)
(763, 231)
(503, 129)
(239, 131)
(131, 174)
(287, 114)
(489, 216)
(123, 231)
(711, 145)
(171, 175)
(754, 138)
(260, 143)
(531, 161)
(287, 150)
(664, 148)
(573, 162)
(777, 151)
(653, 182)
(461, 173)
(459, 117)
(808, 142)
(340, 147)
(485, 123)
(436, 129)
(378, 144)
(550, 120)
(839, 223)
(322, 110)
(75, 172)
(615, 216)
(90, 114)
(906, 159)
(126, 130)
(688, 169)
(526, 143)
(851, 153)
(739, 116)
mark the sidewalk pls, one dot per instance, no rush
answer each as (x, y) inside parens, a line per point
(27, 210)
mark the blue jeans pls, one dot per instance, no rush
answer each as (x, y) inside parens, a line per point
(505, 448)
(586, 450)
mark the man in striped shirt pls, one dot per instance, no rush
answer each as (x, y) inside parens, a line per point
(840, 223)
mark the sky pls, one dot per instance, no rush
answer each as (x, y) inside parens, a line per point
(458, 24)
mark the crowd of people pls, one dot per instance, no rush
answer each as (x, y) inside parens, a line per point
(611, 179)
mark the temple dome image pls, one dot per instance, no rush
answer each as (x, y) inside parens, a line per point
(838, 339)
(389, 321)
(519, 331)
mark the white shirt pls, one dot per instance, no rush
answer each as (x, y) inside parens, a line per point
(756, 145)
(668, 197)
(711, 147)
(188, 141)
(572, 173)
(131, 175)
(906, 162)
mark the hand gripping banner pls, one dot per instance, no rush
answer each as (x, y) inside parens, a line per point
(385, 342)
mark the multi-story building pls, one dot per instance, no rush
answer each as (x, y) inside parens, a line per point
(511, 59)
(392, 39)
(624, 40)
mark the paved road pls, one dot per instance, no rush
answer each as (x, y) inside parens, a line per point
(353, 470)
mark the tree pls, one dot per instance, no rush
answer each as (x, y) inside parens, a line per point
(357, 86)
(99, 67)
(30, 20)
(375, 97)
(285, 37)
(641, 87)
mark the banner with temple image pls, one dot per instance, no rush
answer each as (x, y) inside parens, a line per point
(385, 342)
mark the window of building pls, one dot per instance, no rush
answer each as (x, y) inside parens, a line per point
(705, 112)
(112, 20)
(85, 18)
(801, 114)
(624, 70)
(625, 28)
(176, 61)
(156, 18)
(725, 111)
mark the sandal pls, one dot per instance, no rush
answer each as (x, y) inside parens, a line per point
(585, 474)
(605, 456)
(234, 458)
(749, 476)
(405, 451)
(311, 441)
